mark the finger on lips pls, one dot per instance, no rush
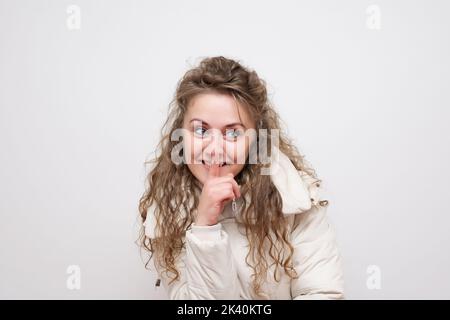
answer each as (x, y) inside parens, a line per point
(214, 172)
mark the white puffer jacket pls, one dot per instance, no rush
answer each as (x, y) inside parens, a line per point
(212, 264)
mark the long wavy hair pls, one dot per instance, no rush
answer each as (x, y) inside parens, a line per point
(261, 218)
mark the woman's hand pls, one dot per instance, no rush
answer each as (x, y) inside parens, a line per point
(216, 192)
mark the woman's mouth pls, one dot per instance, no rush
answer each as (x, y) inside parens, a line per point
(207, 165)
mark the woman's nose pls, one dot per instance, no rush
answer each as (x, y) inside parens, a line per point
(215, 147)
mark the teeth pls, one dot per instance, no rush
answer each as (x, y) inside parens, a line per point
(208, 164)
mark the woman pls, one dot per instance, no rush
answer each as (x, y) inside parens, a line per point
(221, 218)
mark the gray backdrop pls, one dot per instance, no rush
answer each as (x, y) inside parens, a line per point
(363, 88)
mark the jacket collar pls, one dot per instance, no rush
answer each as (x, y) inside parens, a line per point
(292, 184)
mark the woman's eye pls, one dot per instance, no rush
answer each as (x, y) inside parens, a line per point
(200, 131)
(232, 134)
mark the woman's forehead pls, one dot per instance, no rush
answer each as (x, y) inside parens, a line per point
(217, 110)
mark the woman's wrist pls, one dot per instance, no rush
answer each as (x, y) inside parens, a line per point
(200, 220)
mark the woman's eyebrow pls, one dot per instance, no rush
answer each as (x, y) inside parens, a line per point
(226, 126)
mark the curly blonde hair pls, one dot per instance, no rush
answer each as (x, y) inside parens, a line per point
(265, 225)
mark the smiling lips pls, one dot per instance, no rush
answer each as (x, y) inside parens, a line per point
(220, 165)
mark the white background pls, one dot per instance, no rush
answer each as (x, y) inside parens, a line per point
(81, 110)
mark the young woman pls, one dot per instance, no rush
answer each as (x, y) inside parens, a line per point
(232, 210)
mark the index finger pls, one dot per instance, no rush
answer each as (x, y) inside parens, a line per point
(229, 177)
(213, 170)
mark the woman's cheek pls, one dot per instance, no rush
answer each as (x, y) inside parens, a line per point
(187, 151)
(240, 152)
(193, 149)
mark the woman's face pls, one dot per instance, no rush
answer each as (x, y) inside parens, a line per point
(215, 131)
